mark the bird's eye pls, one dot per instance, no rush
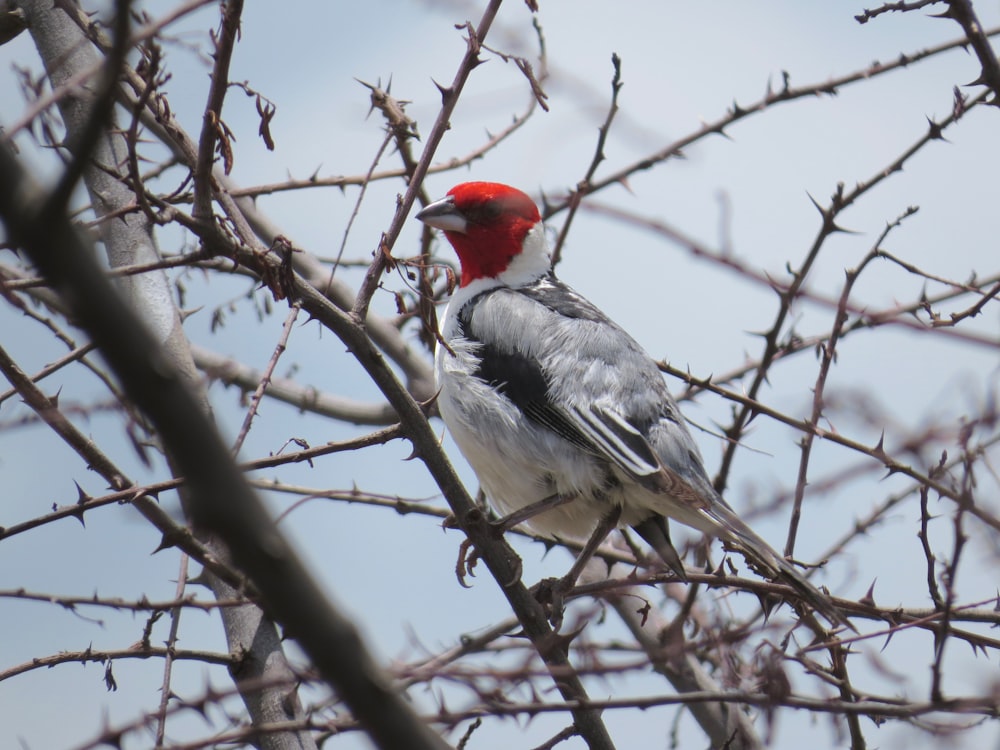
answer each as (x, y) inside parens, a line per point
(489, 212)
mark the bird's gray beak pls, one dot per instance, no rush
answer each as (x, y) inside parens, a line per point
(443, 215)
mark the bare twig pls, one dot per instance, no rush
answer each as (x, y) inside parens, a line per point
(583, 187)
(897, 7)
(168, 661)
(265, 379)
(136, 652)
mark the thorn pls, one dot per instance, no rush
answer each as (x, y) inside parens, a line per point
(890, 469)
(946, 14)
(446, 91)
(879, 449)
(869, 598)
(185, 314)
(767, 603)
(566, 639)
(199, 580)
(373, 89)
(935, 130)
(888, 637)
(167, 541)
(82, 498)
(609, 564)
(822, 211)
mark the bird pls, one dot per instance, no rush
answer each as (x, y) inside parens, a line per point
(566, 421)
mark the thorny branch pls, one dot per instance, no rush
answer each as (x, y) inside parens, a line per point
(449, 98)
(599, 156)
(965, 15)
(214, 133)
(839, 201)
(265, 379)
(827, 355)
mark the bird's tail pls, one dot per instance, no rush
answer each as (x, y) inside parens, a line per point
(762, 555)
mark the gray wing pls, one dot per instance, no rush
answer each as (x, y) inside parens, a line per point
(586, 380)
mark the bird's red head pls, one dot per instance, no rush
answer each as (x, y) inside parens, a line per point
(486, 223)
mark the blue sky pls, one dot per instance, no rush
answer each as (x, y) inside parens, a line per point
(683, 63)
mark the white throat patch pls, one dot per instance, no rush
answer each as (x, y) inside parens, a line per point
(531, 263)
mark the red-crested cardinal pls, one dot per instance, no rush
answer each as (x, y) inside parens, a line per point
(559, 410)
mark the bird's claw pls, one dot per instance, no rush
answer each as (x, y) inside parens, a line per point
(466, 563)
(468, 558)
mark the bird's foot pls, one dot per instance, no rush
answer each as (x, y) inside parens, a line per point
(468, 558)
(551, 594)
